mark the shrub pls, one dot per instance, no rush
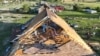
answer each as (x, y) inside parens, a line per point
(98, 9)
(87, 8)
(76, 7)
(26, 8)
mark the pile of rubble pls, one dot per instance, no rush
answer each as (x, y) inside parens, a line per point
(49, 35)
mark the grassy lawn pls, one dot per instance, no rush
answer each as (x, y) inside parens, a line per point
(23, 20)
(77, 14)
(85, 22)
(13, 5)
(93, 5)
(87, 25)
(86, 4)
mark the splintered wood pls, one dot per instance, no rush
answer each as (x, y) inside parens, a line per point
(19, 52)
(27, 40)
(69, 49)
(60, 45)
(63, 38)
(49, 42)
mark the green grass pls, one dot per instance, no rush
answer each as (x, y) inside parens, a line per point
(77, 14)
(86, 4)
(15, 4)
(92, 5)
(23, 20)
(86, 22)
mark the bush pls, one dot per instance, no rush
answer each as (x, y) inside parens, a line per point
(26, 8)
(87, 8)
(98, 9)
(76, 7)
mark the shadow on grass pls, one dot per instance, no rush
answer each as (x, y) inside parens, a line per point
(17, 12)
(96, 37)
(6, 35)
(8, 32)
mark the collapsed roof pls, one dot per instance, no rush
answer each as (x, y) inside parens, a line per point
(39, 20)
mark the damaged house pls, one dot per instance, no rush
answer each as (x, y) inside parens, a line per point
(49, 35)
